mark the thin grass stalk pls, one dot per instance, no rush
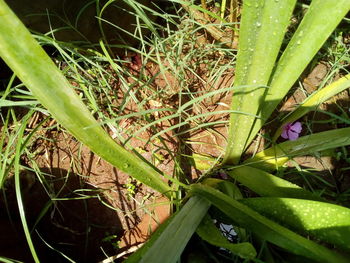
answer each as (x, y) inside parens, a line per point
(19, 149)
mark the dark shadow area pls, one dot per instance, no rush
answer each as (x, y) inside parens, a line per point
(75, 222)
(84, 22)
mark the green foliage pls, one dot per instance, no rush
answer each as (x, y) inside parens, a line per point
(38, 72)
(314, 101)
(306, 41)
(168, 242)
(262, 29)
(19, 149)
(254, 179)
(285, 212)
(265, 228)
(326, 222)
(277, 155)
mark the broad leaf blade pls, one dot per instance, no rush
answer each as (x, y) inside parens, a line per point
(263, 25)
(324, 221)
(267, 229)
(281, 153)
(319, 22)
(32, 65)
(168, 242)
(314, 100)
(266, 184)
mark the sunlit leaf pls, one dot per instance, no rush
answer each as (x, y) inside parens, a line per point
(266, 184)
(262, 29)
(324, 221)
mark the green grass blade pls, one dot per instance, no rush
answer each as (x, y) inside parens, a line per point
(8, 260)
(210, 233)
(311, 34)
(10, 103)
(324, 221)
(267, 229)
(274, 186)
(5, 147)
(313, 101)
(263, 25)
(18, 190)
(168, 242)
(278, 154)
(31, 64)
(222, 8)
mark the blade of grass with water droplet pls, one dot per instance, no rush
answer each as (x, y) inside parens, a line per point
(37, 71)
(324, 221)
(263, 26)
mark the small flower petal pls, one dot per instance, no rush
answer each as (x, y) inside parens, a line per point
(296, 127)
(286, 128)
(284, 134)
(292, 135)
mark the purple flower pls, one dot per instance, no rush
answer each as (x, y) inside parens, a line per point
(291, 131)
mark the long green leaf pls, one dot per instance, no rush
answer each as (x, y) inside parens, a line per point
(324, 221)
(210, 233)
(267, 229)
(278, 154)
(31, 64)
(263, 26)
(266, 184)
(319, 22)
(168, 242)
(314, 101)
